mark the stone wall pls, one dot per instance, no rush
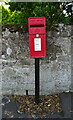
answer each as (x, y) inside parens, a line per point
(18, 70)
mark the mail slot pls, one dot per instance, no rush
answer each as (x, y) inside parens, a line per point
(37, 36)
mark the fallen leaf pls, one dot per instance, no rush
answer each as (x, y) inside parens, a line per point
(49, 105)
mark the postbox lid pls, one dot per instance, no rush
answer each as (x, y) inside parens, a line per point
(36, 21)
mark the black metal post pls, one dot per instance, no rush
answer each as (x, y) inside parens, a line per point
(37, 80)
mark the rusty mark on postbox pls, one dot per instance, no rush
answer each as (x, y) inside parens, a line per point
(37, 36)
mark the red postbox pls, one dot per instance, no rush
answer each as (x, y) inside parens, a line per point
(37, 36)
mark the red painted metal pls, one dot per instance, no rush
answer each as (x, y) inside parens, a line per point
(37, 36)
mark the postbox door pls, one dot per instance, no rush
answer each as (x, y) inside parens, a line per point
(37, 46)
